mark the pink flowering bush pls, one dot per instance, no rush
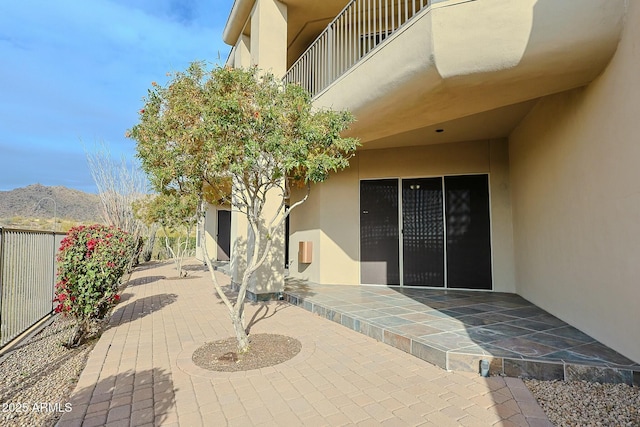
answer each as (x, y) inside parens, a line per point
(91, 262)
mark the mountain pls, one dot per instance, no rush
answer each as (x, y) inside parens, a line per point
(35, 201)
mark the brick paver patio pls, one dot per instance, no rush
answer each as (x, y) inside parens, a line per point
(141, 373)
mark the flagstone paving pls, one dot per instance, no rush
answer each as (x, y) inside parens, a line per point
(140, 372)
(457, 329)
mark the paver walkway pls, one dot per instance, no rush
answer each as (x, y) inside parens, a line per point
(141, 373)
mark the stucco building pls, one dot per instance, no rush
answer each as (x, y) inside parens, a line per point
(500, 149)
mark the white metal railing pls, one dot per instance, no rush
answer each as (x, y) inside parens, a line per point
(27, 279)
(359, 28)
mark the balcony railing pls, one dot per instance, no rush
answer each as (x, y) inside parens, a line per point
(357, 30)
(27, 278)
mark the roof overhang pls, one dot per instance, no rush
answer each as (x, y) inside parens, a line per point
(238, 16)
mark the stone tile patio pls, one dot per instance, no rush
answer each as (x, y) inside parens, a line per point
(457, 329)
(141, 373)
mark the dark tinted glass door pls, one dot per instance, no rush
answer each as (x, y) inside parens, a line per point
(422, 232)
(379, 249)
(468, 232)
(224, 235)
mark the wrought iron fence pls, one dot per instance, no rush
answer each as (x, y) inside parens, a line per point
(358, 29)
(27, 279)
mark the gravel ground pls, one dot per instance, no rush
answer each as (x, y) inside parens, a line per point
(580, 403)
(39, 376)
(266, 350)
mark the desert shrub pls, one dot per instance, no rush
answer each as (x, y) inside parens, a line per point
(91, 263)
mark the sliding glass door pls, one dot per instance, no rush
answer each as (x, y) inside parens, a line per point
(422, 232)
(379, 254)
(432, 232)
(468, 232)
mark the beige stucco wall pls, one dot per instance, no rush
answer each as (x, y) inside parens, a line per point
(211, 231)
(238, 262)
(265, 48)
(304, 226)
(269, 36)
(269, 277)
(328, 220)
(242, 53)
(210, 224)
(459, 58)
(576, 201)
(331, 218)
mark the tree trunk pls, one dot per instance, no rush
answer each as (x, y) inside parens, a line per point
(241, 333)
(79, 334)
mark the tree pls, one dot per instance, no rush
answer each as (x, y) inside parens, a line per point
(176, 214)
(120, 185)
(239, 136)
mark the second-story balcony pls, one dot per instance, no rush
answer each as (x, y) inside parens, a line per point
(406, 65)
(357, 30)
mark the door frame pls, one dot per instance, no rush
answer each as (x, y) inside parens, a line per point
(400, 229)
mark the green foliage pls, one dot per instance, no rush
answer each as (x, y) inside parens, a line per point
(176, 213)
(175, 243)
(205, 128)
(170, 210)
(91, 262)
(234, 136)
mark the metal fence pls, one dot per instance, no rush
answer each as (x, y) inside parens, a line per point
(27, 279)
(359, 28)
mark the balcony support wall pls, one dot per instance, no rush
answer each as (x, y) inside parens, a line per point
(265, 48)
(242, 52)
(269, 36)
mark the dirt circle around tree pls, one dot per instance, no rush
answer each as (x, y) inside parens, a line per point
(264, 350)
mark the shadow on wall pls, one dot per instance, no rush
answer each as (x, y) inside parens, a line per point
(263, 278)
(265, 309)
(238, 261)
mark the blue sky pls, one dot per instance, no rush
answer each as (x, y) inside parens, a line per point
(73, 74)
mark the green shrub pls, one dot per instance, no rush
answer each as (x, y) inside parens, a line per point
(91, 262)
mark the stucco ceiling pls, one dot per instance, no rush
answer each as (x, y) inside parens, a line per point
(493, 124)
